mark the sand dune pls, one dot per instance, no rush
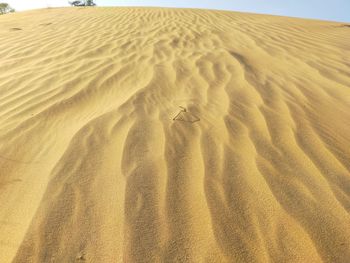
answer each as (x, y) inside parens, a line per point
(171, 135)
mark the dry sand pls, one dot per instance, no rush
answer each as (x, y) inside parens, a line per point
(93, 166)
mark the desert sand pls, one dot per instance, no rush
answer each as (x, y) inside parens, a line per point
(173, 135)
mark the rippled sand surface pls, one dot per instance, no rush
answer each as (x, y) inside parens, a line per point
(172, 135)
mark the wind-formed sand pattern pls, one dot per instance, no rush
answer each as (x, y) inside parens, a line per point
(172, 135)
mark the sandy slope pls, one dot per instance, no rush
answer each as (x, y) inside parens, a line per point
(93, 167)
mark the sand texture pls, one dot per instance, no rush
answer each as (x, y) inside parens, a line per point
(173, 135)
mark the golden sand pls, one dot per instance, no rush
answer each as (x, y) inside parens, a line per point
(172, 135)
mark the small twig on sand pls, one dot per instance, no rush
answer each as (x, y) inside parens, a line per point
(183, 109)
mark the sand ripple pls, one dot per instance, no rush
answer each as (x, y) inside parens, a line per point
(171, 135)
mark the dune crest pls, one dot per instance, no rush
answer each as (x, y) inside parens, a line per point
(173, 135)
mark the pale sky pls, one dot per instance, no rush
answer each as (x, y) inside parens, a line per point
(337, 10)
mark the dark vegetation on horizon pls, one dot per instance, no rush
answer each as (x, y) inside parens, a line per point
(6, 8)
(82, 3)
